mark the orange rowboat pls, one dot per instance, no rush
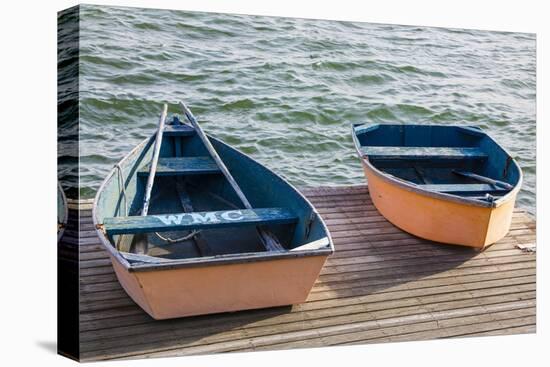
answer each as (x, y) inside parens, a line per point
(448, 184)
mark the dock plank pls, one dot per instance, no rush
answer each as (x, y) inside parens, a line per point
(381, 285)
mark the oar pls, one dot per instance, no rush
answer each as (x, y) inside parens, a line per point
(268, 239)
(487, 180)
(139, 242)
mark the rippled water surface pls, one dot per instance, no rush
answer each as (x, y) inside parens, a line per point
(286, 90)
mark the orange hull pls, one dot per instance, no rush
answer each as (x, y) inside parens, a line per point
(438, 219)
(189, 291)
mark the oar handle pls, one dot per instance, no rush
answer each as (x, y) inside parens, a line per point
(154, 161)
(487, 180)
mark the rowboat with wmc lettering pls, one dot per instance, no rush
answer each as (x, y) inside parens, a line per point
(193, 226)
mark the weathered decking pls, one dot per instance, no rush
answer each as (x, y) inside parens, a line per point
(381, 285)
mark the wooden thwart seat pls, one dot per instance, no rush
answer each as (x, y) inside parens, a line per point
(463, 188)
(178, 130)
(416, 153)
(198, 220)
(183, 166)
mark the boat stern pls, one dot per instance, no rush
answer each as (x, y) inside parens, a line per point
(199, 290)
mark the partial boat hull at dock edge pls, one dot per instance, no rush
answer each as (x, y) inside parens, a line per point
(227, 268)
(62, 211)
(428, 196)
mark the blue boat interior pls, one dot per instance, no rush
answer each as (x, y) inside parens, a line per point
(455, 160)
(189, 181)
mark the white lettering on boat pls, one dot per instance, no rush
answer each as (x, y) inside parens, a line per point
(193, 218)
(232, 215)
(204, 218)
(170, 219)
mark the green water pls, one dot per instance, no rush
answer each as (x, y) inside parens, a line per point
(286, 90)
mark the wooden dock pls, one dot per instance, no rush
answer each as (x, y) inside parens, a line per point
(380, 285)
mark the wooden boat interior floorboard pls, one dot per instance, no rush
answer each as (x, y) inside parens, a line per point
(187, 205)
